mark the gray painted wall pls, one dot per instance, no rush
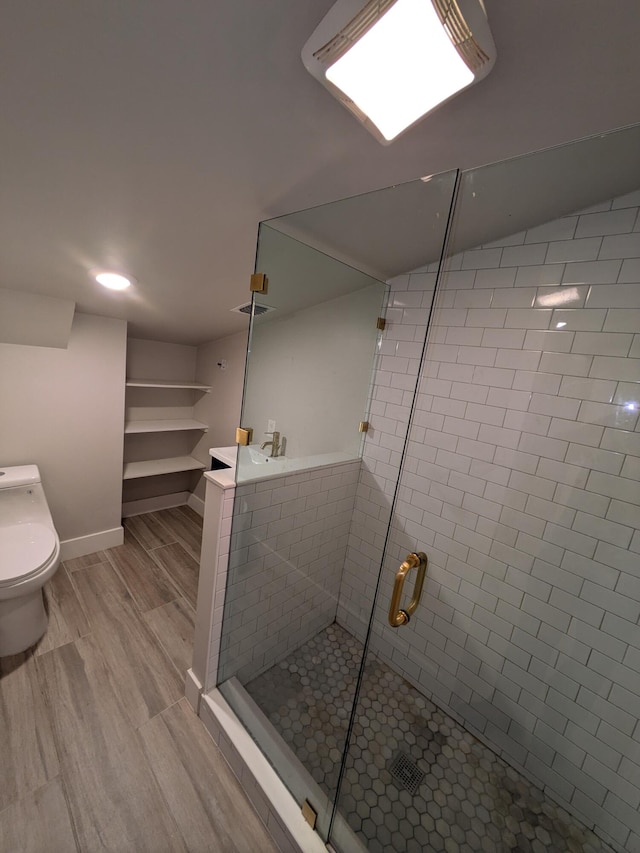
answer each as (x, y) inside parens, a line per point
(63, 409)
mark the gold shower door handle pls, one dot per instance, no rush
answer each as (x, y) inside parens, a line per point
(398, 616)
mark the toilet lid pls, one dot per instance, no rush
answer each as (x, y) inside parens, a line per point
(24, 548)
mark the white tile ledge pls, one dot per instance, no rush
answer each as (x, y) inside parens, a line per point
(280, 467)
(193, 690)
(281, 801)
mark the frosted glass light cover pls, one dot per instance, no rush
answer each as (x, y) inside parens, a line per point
(402, 68)
(113, 280)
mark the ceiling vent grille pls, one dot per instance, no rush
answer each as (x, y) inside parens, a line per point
(355, 29)
(460, 34)
(257, 310)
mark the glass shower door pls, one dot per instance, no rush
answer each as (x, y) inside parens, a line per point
(503, 715)
(312, 346)
(296, 611)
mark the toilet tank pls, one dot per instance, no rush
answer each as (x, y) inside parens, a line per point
(22, 497)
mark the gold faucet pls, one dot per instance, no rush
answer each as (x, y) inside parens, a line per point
(274, 444)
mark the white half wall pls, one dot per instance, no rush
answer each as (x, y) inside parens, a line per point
(63, 409)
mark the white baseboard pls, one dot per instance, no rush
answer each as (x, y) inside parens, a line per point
(196, 504)
(82, 545)
(153, 504)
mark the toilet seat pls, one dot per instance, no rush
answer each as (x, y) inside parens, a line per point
(24, 550)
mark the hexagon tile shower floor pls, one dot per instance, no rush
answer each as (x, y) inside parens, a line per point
(415, 779)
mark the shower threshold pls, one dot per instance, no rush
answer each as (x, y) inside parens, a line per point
(414, 779)
(290, 769)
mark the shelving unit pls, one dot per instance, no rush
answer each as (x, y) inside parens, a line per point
(135, 469)
(164, 432)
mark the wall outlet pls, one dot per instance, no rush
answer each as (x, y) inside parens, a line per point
(271, 425)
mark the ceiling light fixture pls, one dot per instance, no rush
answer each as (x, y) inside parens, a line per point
(112, 280)
(393, 61)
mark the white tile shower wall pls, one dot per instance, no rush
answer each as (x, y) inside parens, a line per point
(395, 382)
(288, 547)
(521, 484)
(213, 657)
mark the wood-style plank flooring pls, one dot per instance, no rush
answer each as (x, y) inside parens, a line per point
(99, 751)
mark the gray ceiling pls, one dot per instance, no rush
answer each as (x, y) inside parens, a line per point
(154, 136)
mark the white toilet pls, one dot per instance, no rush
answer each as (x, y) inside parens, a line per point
(29, 556)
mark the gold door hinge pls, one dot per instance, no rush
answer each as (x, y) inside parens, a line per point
(309, 814)
(258, 283)
(244, 436)
(364, 426)
(381, 324)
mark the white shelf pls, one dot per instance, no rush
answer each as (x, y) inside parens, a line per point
(153, 467)
(157, 383)
(171, 425)
(152, 421)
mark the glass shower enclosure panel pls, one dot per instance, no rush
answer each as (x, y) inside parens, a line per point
(503, 714)
(296, 611)
(313, 340)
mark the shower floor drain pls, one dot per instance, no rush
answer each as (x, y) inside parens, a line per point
(405, 771)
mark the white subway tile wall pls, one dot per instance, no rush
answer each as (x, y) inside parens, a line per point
(287, 552)
(385, 440)
(521, 484)
(220, 587)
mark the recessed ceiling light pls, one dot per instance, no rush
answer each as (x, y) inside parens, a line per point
(113, 280)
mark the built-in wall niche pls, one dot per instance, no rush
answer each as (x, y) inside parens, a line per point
(160, 430)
